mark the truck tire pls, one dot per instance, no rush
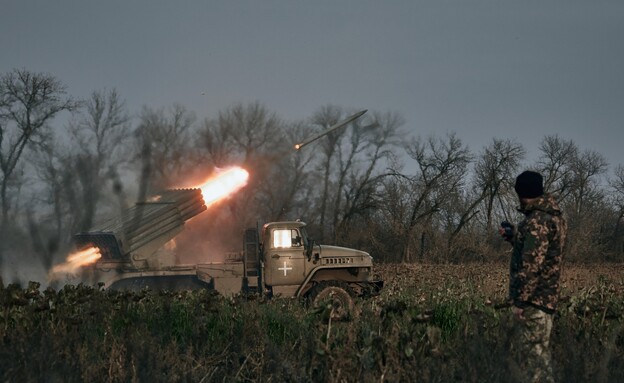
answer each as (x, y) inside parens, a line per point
(334, 296)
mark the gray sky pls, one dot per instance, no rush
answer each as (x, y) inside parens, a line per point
(483, 69)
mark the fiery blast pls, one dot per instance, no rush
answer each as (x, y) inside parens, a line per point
(75, 261)
(204, 237)
(219, 186)
(223, 184)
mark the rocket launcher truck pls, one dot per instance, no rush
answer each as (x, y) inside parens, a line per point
(278, 259)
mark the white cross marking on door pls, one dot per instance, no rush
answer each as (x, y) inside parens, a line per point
(285, 268)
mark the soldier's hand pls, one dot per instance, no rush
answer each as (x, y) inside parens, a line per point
(506, 231)
(518, 312)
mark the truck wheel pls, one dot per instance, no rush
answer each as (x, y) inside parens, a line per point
(336, 297)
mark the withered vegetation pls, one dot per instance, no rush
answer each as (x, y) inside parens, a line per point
(432, 323)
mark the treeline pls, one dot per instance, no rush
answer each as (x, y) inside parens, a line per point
(375, 185)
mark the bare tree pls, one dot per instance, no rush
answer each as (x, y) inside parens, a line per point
(214, 144)
(495, 172)
(48, 222)
(442, 167)
(164, 141)
(588, 167)
(556, 164)
(74, 172)
(253, 129)
(103, 128)
(330, 144)
(287, 188)
(241, 134)
(100, 135)
(471, 210)
(585, 206)
(27, 102)
(388, 224)
(616, 184)
(367, 149)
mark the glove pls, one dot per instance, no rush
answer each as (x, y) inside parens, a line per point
(506, 231)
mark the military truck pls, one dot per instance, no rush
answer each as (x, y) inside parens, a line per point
(279, 259)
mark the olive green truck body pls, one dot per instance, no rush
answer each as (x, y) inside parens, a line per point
(278, 259)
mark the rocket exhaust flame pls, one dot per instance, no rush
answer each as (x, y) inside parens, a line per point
(223, 184)
(75, 261)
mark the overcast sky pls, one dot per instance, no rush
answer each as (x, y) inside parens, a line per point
(484, 69)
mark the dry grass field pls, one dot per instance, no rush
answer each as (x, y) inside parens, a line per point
(490, 280)
(431, 323)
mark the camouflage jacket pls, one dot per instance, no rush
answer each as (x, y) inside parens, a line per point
(537, 255)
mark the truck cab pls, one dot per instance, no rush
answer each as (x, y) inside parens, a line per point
(283, 249)
(293, 264)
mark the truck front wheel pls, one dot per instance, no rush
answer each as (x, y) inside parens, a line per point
(335, 298)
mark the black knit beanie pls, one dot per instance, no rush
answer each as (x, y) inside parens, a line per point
(529, 185)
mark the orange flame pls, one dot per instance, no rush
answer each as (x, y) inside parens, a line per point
(76, 260)
(224, 184)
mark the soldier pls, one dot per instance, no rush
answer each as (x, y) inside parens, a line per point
(535, 270)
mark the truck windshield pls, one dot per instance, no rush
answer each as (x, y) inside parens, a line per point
(286, 238)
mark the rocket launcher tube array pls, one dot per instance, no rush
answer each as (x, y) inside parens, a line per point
(146, 226)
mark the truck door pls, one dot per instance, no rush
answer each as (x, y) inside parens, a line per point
(284, 258)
